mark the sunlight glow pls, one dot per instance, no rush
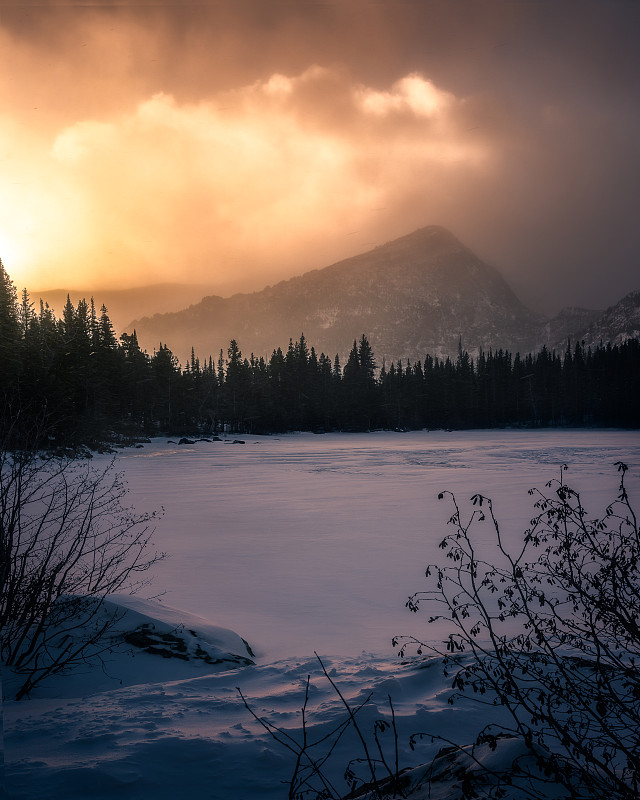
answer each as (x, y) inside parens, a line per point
(170, 190)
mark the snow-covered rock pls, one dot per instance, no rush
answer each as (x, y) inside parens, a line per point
(147, 642)
(473, 771)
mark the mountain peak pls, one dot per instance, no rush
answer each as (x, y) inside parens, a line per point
(431, 236)
(412, 296)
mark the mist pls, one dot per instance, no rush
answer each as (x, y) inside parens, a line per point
(238, 145)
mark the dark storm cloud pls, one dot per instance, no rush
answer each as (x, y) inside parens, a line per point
(531, 157)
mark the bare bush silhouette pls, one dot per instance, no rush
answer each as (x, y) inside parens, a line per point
(66, 542)
(549, 634)
(372, 776)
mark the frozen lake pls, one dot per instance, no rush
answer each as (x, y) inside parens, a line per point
(306, 542)
(298, 543)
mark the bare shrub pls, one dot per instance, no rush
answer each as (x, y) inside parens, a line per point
(66, 542)
(372, 776)
(549, 634)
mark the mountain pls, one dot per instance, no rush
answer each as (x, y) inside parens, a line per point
(558, 331)
(419, 294)
(124, 304)
(617, 324)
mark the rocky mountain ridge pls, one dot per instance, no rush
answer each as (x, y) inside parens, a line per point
(617, 324)
(424, 293)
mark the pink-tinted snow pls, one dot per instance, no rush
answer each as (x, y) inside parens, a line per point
(297, 543)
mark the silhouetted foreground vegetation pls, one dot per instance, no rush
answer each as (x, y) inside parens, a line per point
(67, 542)
(94, 385)
(544, 636)
(551, 631)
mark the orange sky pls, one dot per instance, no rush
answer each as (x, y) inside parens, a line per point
(239, 144)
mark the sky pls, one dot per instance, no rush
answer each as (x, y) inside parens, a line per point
(236, 144)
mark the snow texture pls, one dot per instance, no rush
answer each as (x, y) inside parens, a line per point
(298, 543)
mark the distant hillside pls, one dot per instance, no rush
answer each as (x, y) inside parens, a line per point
(617, 324)
(419, 294)
(557, 331)
(125, 304)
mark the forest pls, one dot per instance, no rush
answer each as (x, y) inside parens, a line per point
(96, 388)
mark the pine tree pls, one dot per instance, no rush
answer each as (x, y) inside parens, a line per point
(26, 314)
(10, 334)
(236, 386)
(166, 372)
(136, 400)
(32, 380)
(366, 360)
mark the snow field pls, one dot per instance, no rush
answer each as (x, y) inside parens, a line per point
(296, 544)
(313, 542)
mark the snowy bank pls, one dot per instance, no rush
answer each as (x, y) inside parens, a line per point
(299, 543)
(148, 643)
(152, 725)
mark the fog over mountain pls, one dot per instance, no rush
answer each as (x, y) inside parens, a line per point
(238, 143)
(125, 304)
(423, 293)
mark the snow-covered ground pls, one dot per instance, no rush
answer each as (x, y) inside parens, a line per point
(297, 543)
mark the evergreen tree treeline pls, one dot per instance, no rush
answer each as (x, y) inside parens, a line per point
(93, 385)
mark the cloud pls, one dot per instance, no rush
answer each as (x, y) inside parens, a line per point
(197, 141)
(258, 177)
(412, 94)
